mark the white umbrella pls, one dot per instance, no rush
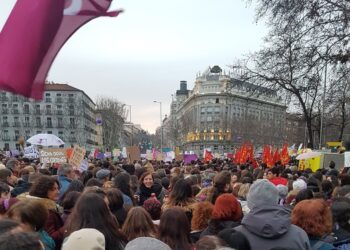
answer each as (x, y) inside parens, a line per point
(45, 140)
(308, 155)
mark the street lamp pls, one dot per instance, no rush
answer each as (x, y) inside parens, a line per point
(161, 126)
(132, 127)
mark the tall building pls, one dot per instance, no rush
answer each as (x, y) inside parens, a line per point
(221, 112)
(64, 111)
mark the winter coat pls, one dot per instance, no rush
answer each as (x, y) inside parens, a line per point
(270, 226)
(20, 188)
(215, 226)
(49, 243)
(144, 193)
(64, 184)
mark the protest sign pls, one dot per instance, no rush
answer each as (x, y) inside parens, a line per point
(133, 153)
(77, 157)
(31, 152)
(53, 155)
(347, 159)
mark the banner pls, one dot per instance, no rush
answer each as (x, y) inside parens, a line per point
(77, 157)
(312, 163)
(53, 155)
(31, 152)
(189, 158)
(347, 159)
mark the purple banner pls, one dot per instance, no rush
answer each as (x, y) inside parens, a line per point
(189, 158)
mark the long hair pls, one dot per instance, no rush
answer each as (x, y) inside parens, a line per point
(138, 223)
(122, 182)
(174, 229)
(91, 211)
(220, 181)
(181, 194)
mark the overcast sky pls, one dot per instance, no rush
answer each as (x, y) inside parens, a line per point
(143, 54)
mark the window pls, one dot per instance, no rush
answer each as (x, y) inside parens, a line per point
(47, 94)
(49, 132)
(58, 94)
(217, 100)
(49, 122)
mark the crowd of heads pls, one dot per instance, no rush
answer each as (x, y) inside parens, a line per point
(158, 205)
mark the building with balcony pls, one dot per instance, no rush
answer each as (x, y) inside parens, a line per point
(64, 111)
(222, 112)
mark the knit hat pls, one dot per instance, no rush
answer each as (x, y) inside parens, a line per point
(262, 193)
(146, 243)
(153, 207)
(103, 173)
(227, 207)
(86, 238)
(299, 184)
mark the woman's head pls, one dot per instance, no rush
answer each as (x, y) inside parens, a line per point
(45, 187)
(243, 190)
(146, 180)
(227, 207)
(314, 216)
(115, 199)
(222, 184)
(210, 242)
(181, 192)
(122, 182)
(32, 214)
(234, 239)
(305, 194)
(341, 212)
(138, 223)
(176, 235)
(4, 190)
(200, 214)
(91, 211)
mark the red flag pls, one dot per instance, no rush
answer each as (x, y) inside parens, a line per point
(33, 35)
(276, 156)
(267, 156)
(237, 156)
(285, 155)
(208, 156)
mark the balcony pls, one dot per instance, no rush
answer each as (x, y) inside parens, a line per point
(58, 100)
(6, 138)
(60, 125)
(5, 111)
(16, 124)
(38, 125)
(15, 99)
(4, 99)
(15, 111)
(74, 126)
(48, 112)
(70, 100)
(26, 111)
(59, 112)
(71, 112)
(26, 124)
(38, 112)
(47, 99)
(49, 125)
(5, 124)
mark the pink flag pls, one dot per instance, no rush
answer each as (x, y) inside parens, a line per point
(34, 33)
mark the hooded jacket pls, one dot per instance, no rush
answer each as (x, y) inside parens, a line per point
(267, 227)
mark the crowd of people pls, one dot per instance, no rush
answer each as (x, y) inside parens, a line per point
(158, 205)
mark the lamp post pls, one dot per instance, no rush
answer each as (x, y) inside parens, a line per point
(161, 126)
(132, 127)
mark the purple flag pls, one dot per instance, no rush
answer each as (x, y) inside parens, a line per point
(34, 33)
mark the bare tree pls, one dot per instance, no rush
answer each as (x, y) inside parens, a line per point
(113, 115)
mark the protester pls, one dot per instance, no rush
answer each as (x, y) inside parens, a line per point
(234, 239)
(65, 176)
(32, 215)
(91, 211)
(122, 182)
(267, 224)
(210, 242)
(148, 187)
(341, 222)
(314, 216)
(201, 212)
(116, 204)
(46, 190)
(227, 213)
(138, 223)
(146, 243)
(174, 229)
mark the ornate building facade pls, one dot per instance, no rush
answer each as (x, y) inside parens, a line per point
(222, 112)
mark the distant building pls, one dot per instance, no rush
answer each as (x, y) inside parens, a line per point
(222, 112)
(64, 111)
